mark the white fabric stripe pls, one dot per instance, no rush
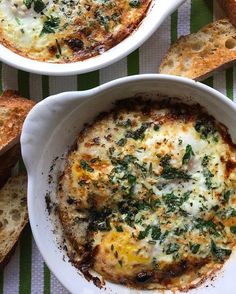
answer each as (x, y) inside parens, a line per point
(36, 87)
(184, 13)
(152, 52)
(56, 287)
(37, 271)
(11, 274)
(219, 82)
(62, 84)
(114, 71)
(234, 86)
(9, 77)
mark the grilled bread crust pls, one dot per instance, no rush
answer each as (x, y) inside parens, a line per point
(197, 56)
(13, 111)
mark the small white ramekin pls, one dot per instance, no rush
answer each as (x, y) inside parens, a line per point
(52, 127)
(157, 13)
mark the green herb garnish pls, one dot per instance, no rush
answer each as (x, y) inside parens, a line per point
(50, 25)
(86, 166)
(156, 233)
(171, 248)
(28, 3)
(39, 6)
(134, 3)
(188, 153)
(219, 253)
(194, 248)
(122, 142)
(233, 230)
(139, 133)
(172, 173)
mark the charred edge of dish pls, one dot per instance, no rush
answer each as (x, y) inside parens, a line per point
(50, 205)
(211, 276)
(230, 165)
(86, 263)
(165, 275)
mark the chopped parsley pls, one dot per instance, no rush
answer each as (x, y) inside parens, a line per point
(205, 161)
(102, 19)
(39, 6)
(194, 248)
(156, 233)
(208, 225)
(220, 254)
(173, 202)
(156, 127)
(28, 3)
(172, 247)
(208, 178)
(86, 166)
(139, 133)
(233, 230)
(134, 3)
(188, 153)
(50, 25)
(131, 179)
(206, 128)
(143, 234)
(122, 142)
(172, 173)
(119, 229)
(226, 196)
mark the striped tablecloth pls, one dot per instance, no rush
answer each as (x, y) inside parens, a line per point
(26, 273)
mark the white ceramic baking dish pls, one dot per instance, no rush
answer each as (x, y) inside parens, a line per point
(157, 13)
(51, 128)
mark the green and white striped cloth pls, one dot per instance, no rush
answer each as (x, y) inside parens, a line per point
(26, 273)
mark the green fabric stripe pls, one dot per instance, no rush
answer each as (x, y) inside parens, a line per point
(1, 282)
(208, 82)
(23, 83)
(133, 63)
(88, 80)
(22, 168)
(47, 284)
(1, 77)
(201, 14)
(45, 86)
(230, 83)
(174, 27)
(25, 261)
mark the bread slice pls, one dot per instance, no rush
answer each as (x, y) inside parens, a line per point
(13, 111)
(13, 215)
(197, 55)
(230, 8)
(7, 161)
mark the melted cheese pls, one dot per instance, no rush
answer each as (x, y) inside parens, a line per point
(159, 191)
(67, 31)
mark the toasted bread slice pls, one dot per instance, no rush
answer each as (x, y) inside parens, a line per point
(13, 111)
(7, 161)
(13, 214)
(197, 55)
(230, 8)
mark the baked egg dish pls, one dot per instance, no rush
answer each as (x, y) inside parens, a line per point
(147, 196)
(61, 31)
